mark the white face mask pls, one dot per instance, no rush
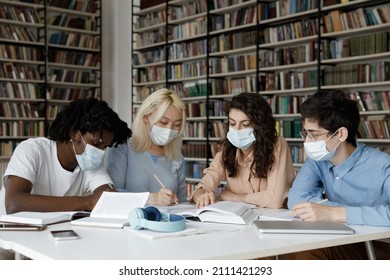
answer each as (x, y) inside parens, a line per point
(91, 158)
(162, 136)
(242, 138)
(317, 150)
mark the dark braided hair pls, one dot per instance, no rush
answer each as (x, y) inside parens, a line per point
(88, 115)
(260, 114)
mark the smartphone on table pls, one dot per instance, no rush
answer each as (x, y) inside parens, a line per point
(67, 234)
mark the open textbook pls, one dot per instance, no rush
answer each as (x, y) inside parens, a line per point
(112, 209)
(227, 212)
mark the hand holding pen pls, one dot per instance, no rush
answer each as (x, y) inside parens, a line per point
(165, 195)
(311, 211)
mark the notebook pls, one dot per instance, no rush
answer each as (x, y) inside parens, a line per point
(303, 227)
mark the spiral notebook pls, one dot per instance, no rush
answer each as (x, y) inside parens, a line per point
(303, 227)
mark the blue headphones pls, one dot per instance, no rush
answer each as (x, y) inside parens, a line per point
(151, 218)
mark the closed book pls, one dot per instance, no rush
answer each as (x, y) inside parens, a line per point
(41, 218)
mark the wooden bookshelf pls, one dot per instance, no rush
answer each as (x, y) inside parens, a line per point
(22, 74)
(285, 50)
(73, 34)
(50, 53)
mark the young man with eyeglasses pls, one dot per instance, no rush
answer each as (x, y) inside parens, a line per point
(355, 178)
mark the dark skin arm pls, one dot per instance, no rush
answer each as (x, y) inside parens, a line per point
(18, 198)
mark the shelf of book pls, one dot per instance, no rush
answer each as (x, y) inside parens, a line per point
(22, 74)
(50, 54)
(73, 34)
(285, 50)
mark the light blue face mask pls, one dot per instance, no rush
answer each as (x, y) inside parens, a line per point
(162, 136)
(317, 150)
(91, 158)
(242, 138)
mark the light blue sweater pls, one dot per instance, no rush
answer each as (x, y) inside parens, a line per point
(133, 172)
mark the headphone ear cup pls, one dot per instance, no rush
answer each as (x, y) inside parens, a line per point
(152, 213)
(135, 216)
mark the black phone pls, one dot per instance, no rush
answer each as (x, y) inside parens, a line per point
(64, 234)
(14, 226)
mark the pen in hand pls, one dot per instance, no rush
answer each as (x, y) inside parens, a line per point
(162, 185)
(318, 202)
(322, 201)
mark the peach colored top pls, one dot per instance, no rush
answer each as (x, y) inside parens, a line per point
(268, 192)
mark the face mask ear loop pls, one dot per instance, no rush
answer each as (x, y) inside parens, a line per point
(150, 124)
(74, 150)
(331, 138)
(82, 138)
(326, 141)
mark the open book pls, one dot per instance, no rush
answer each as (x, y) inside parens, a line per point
(112, 209)
(227, 212)
(42, 218)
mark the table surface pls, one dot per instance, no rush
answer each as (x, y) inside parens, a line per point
(104, 243)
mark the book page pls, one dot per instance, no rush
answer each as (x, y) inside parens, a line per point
(183, 209)
(275, 215)
(118, 204)
(100, 222)
(230, 208)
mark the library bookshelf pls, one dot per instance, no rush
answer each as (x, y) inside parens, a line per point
(50, 53)
(285, 50)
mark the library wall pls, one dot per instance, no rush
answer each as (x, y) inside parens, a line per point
(285, 50)
(50, 54)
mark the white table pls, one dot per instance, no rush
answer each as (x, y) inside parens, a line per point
(102, 243)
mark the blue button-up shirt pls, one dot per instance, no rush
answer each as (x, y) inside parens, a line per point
(361, 184)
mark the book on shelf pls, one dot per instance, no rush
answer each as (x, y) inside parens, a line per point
(227, 212)
(112, 209)
(42, 218)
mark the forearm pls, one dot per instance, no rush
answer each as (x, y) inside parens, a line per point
(231, 196)
(16, 202)
(338, 214)
(42, 203)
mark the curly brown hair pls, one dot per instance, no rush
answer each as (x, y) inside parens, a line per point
(260, 114)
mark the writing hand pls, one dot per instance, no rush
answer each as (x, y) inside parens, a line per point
(164, 197)
(309, 211)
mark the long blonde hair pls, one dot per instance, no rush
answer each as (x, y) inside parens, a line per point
(158, 103)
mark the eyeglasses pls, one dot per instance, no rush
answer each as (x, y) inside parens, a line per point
(304, 134)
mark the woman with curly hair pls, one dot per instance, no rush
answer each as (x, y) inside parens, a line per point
(65, 171)
(253, 160)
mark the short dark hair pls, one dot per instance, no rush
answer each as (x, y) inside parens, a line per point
(333, 109)
(88, 115)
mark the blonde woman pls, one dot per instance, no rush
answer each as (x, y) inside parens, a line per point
(152, 160)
